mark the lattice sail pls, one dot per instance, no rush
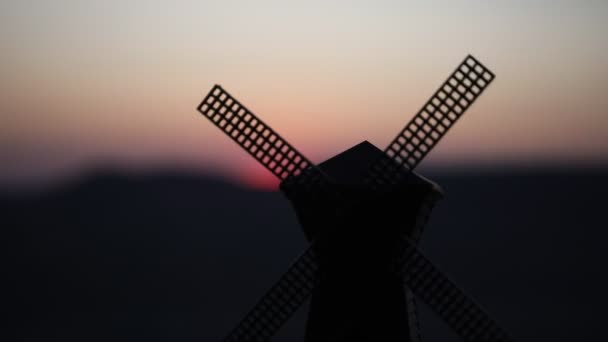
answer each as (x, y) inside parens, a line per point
(432, 122)
(251, 133)
(279, 303)
(463, 315)
(446, 299)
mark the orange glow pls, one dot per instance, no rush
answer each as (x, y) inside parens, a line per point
(258, 178)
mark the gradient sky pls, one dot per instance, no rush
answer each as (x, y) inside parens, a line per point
(114, 84)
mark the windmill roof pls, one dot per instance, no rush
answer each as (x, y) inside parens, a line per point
(351, 166)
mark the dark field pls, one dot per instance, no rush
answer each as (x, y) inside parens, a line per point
(175, 257)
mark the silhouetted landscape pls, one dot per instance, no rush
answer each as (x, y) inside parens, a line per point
(181, 257)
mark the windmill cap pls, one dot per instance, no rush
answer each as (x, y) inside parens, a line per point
(351, 167)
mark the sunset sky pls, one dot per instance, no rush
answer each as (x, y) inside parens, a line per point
(115, 84)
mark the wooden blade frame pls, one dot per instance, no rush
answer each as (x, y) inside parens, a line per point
(461, 313)
(279, 303)
(432, 122)
(252, 134)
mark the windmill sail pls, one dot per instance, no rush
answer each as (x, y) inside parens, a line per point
(432, 122)
(433, 287)
(279, 303)
(252, 134)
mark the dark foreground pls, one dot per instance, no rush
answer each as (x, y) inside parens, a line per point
(181, 258)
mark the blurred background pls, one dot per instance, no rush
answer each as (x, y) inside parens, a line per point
(127, 215)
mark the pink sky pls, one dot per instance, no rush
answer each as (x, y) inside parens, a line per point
(87, 84)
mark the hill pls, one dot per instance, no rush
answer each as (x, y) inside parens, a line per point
(181, 257)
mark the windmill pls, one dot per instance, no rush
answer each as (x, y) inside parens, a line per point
(363, 212)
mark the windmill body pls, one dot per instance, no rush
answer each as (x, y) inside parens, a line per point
(359, 296)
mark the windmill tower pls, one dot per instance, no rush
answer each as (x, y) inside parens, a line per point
(363, 212)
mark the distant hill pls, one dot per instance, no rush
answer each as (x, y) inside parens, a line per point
(181, 257)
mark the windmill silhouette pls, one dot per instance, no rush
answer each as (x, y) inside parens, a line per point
(363, 212)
